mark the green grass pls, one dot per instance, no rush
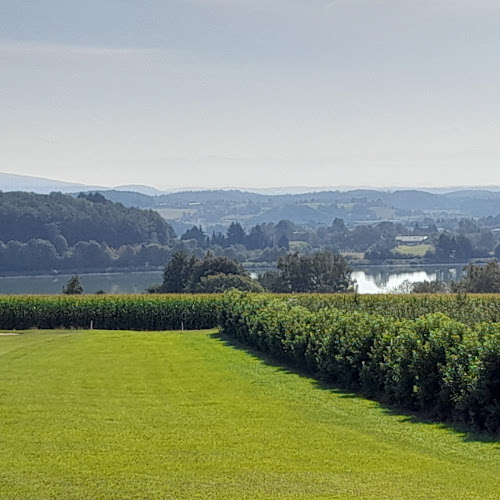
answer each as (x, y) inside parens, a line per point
(121, 415)
(415, 250)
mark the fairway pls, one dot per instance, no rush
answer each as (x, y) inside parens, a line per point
(181, 415)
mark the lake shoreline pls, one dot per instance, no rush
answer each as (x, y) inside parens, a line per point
(371, 279)
(249, 266)
(64, 273)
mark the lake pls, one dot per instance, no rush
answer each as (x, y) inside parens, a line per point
(387, 279)
(369, 280)
(108, 282)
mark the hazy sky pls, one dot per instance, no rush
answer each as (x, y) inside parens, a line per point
(251, 93)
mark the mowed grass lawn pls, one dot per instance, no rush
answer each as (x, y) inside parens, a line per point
(415, 250)
(125, 415)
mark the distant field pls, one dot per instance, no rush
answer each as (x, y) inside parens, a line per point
(384, 212)
(416, 250)
(353, 255)
(112, 415)
(174, 213)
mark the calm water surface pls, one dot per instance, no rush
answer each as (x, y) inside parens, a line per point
(108, 282)
(369, 280)
(386, 280)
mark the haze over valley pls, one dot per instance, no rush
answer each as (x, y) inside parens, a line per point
(219, 94)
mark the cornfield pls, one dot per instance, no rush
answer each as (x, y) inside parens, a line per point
(468, 309)
(112, 312)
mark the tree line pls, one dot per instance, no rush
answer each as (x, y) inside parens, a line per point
(87, 232)
(322, 272)
(458, 241)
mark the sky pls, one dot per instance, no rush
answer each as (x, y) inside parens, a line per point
(251, 93)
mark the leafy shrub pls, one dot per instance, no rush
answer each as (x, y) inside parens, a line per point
(432, 364)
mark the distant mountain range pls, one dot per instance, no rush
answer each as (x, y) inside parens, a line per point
(216, 209)
(13, 182)
(42, 185)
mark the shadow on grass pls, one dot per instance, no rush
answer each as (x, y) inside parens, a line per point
(404, 416)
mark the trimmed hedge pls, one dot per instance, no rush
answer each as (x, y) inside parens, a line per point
(433, 364)
(110, 312)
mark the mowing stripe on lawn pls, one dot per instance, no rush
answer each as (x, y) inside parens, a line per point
(184, 415)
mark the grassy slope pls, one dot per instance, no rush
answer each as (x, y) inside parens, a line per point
(415, 250)
(171, 415)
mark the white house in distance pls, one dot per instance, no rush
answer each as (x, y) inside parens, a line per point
(411, 240)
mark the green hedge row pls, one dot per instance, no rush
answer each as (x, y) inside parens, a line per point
(400, 350)
(111, 312)
(433, 364)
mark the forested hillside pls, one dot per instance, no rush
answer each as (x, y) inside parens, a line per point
(88, 232)
(24, 216)
(58, 231)
(218, 208)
